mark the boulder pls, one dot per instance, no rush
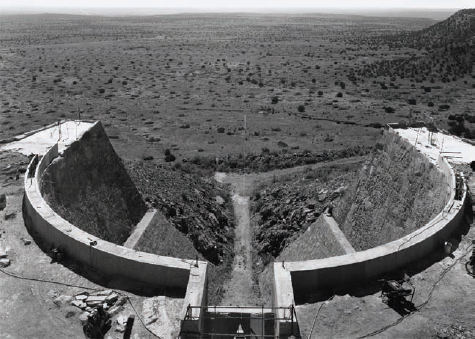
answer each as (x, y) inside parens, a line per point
(83, 317)
(79, 303)
(121, 322)
(62, 300)
(219, 200)
(4, 262)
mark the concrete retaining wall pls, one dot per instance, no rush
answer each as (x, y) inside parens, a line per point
(107, 258)
(316, 275)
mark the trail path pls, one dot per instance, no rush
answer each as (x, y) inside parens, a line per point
(239, 291)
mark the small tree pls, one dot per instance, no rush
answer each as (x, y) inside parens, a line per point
(169, 157)
(301, 108)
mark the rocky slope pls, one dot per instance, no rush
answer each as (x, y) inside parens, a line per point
(286, 208)
(450, 46)
(396, 192)
(198, 207)
(458, 28)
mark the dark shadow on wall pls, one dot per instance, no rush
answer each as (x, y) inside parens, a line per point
(89, 186)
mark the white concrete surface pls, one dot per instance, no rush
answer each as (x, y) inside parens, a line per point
(63, 133)
(339, 235)
(134, 238)
(451, 147)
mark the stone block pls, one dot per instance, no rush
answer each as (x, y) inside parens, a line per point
(79, 303)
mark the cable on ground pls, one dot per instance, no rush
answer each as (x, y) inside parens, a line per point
(316, 315)
(47, 281)
(82, 287)
(140, 318)
(418, 308)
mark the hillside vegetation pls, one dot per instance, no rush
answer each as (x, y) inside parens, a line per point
(449, 51)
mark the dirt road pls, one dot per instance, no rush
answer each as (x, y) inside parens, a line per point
(240, 289)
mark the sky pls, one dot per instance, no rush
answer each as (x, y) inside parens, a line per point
(217, 4)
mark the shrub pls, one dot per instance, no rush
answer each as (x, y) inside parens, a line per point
(339, 95)
(275, 100)
(301, 108)
(169, 158)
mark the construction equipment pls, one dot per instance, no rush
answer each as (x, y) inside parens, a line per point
(98, 323)
(395, 293)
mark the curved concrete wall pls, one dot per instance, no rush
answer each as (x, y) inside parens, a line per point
(315, 275)
(106, 257)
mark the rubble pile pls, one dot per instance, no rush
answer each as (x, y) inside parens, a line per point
(110, 301)
(285, 209)
(198, 207)
(454, 331)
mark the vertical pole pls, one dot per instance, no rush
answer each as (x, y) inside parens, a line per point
(292, 319)
(262, 316)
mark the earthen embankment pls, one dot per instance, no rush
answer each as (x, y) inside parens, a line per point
(89, 186)
(397, 191)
